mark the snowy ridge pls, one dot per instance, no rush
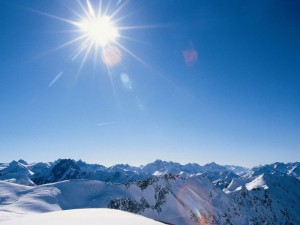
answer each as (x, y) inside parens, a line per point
(84, 216)
(192, 194)
(64, 169)
(258, 182)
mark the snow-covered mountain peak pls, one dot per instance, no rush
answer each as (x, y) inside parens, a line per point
(214, 167)
(258, 182)
(16, 167)
(178, 194)
(22, 162)
(276, 168)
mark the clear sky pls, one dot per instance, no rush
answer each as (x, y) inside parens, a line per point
(215, 81)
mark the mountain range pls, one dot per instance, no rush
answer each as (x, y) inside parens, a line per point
(165, 191)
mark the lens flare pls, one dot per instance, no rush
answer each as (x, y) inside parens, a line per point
(126, 81)
(194, 204)
(111, 56)
(96, 29)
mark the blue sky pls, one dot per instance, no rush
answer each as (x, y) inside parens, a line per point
(221, 84)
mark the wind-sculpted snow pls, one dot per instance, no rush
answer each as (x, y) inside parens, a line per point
(192, 194)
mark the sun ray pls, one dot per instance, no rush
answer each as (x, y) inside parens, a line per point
(71, 42)
(55, 79)
(105, 12)
(119, 9)
(99, 8)
(91, 9)
(122, 18)
(84, 59)
(52, 16)
(73, 11)
(98, 29)
(142, 27)
(134, 39)
(133, 55)
(95, 58)
(143, 62)
(84, 10)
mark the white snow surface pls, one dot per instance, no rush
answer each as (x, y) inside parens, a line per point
(267, 194)
(18, 200)
(257, 183)
(83, 217)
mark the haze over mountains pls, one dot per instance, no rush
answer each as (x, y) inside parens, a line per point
(164, 191)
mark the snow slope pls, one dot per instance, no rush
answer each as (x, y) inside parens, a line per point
(163, 199)
(268, 194)
(84, 217)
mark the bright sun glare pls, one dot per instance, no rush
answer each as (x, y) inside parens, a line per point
(98, 33)
(99, 30)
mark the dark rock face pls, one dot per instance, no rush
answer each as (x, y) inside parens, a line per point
(67, 168)
(63, 169)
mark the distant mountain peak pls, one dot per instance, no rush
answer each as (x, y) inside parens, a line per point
(159, 161)
(211, 164)
(233, 192)
(22, 161)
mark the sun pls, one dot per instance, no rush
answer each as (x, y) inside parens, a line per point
(99, 30)
(98, 33)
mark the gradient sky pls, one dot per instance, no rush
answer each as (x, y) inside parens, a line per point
(222, 84)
